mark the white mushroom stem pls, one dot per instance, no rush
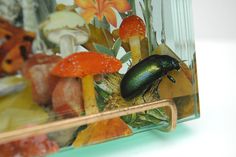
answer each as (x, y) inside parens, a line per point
(66, 29)
(68, 39)
(135, 47)
(67, 45)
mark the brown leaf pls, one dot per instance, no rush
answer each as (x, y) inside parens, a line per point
(163, 49)
(186, 105)
(97, 36)
(181, 87)
(182, 91)
(15, 49)
(102, 131)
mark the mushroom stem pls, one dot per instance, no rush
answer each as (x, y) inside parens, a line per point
(90, 103)
(134, 43)
(66, 45)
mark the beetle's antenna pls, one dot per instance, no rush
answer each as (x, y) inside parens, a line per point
(182, 61)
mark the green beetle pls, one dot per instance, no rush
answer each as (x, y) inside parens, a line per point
(141, 76)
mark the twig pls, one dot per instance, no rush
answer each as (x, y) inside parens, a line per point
(133, 6)
(163, 33)
(151, 34)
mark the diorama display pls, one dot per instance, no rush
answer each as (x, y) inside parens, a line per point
(88, 71)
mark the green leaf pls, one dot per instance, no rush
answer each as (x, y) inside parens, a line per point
(103, 49)
(150, 117)
(100, 103)
(102, 92)
(126, 57)
(158, 114)
(116, 46)
(101, 97)
(133, 6)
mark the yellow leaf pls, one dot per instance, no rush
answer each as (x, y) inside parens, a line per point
(110, 16)
(88, 14)
(102, 8)
(121, 5)
(85, 3)
(19, 109)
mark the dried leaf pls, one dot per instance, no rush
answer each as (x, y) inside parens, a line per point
(98, 36)
(16, 47)
(182, 91)
(163, 49)
(102, 131)
(144, 48)
(186, 106)
(181, 87)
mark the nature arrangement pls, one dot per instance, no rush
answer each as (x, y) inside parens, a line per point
(90, 57)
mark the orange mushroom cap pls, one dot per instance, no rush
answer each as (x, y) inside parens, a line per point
(81, 64)
(132, 26)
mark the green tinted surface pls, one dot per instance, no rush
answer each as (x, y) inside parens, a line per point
(140, 141)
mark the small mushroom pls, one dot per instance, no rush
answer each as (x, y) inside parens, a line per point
(85, 65)
(67, 29)
(132, 30)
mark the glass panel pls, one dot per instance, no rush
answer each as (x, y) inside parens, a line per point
(84, 72)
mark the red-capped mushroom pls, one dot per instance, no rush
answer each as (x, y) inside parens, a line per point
(132, 30)
(85, 65)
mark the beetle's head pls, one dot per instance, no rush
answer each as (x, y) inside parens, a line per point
(175, 64)
(169, 63)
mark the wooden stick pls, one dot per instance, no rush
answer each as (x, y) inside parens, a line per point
(78, 121)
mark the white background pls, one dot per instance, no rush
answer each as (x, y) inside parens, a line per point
(215, 19)
(214, 134)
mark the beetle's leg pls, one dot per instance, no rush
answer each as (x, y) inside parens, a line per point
(156, 91)
(171, 78)
(157, 94)
(145, 92)
(129, 64)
